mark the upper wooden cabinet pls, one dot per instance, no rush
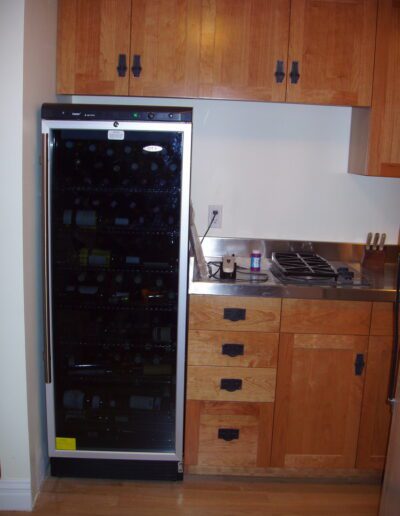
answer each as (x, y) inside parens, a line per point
(225, 49)
(165, 35)
(91, 36)
(333, 43)
(375, 133)
(244, 49)
(181, 48)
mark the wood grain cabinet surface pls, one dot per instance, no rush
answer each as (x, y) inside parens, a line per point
(225, 49)
(325, 316)
(230, 383)
(376, 414)
(382, 320)
(318, 401)
(91, 36)
(375, 133)
(333, 43)
(232, 348)
(221, 437)
(231, 380)
(234, 313)
(309, 393)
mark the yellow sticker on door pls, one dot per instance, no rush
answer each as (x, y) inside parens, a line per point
(65, 443)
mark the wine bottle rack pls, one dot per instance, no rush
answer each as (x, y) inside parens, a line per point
(116, 234)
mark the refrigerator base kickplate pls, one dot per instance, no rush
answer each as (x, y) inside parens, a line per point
(116, 469)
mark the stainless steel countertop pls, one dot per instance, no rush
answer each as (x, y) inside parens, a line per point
(381, 283)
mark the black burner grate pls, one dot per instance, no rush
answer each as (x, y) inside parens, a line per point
(307, 265)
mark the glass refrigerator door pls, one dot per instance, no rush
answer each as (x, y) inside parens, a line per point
(115, 213)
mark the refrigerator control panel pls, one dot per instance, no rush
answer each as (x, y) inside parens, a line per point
(117, 113)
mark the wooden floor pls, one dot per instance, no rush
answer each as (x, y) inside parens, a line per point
(204, 496)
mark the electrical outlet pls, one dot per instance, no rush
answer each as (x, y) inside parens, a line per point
(218, 219)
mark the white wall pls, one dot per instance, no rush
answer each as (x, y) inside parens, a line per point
(14, 445)
(39, 86)
(27, 57)
(280, 171)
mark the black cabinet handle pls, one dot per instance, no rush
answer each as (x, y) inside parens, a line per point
(233, 350)
(231, 384)
(294, 73)
(234, 314)
(228, 434)
(359, 364)
(279, 72)
(136, 67)
(122, 68)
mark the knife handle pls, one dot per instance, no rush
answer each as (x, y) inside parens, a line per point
(375, 242)
(369, 240)
(382, 241)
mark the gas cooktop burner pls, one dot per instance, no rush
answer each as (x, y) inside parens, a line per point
(305, 265)
(312, 269)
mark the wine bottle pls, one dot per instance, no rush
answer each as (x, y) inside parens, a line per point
(94, 257)
(118, 214)
(84, 218)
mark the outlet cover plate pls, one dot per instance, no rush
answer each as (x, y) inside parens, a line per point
(217, 224)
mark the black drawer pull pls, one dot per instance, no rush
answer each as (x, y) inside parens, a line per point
(228, 434)
(136, 67)
(359, 364)
(279, 73)
(294, 73)
(122, 67)
(233, 350)
(235, 314)
(231, 384)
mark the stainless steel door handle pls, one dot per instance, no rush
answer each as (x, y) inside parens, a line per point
(46, 312)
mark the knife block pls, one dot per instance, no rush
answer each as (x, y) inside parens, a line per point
(373, 259)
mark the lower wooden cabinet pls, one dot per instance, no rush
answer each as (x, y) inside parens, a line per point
(227, 434)
(318, 400)
(311, 399)
(376, 414)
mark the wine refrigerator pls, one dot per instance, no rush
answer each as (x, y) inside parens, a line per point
(116, 187)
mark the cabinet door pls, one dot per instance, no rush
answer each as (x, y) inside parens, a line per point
(241, 44)
(318, 401)
(333, 43)
(91, 36)
(166, 36)
(384, 148)
(375, 415)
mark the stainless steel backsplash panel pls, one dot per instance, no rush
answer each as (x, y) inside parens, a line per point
(344, 252)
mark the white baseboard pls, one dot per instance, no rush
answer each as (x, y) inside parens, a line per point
(43, 473)
(15, 495)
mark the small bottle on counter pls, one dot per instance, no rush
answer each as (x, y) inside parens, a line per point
(255, 260)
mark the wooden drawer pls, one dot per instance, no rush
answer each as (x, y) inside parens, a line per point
(323, 316)
(228, 434)
(234, 313)
(382, 320)
(230, 348)
(214, 383)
